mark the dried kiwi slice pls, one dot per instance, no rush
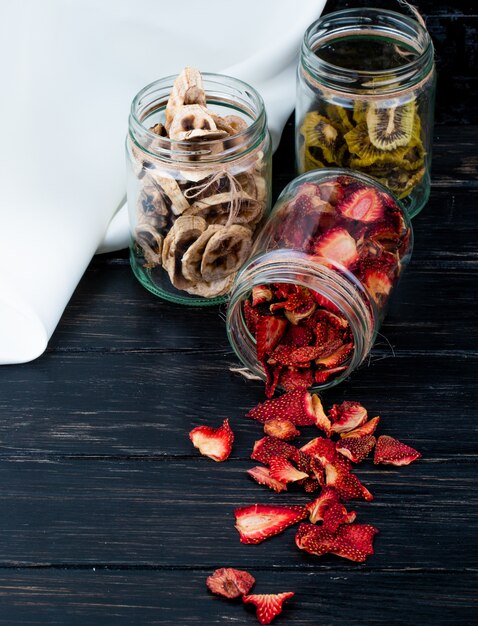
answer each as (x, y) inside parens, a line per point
(360, 111)
(390, 127)
(358, 142)
(340, 117)
(320, 132)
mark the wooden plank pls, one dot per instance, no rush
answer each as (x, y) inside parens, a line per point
(130, 404)
(354, 598)
(180, 513)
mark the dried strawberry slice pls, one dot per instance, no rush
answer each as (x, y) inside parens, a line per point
(332, 192)
(390, 451)
(337, 245)
(269, 447)
(366, 429)
(295, 406)
(363, 205)
(311, 484)
(269, 331)
(268, 605)
(321, 449)
(300, 297)
(378, 283)
(317, 507)
(349, 487)
(321, 419)
(298, 336)
(347, 416)
(281, 428)
(293, 379)
(272, 378)
(325, 302)
(251, 316)
(302, 312)
(215, 443)
(285, 472)
(350, 541)
(230, 583)
(356, 448)
(336, 358)
(262, 476)
(329, 509)
(261, 294)
(322, 376)
(258, 522)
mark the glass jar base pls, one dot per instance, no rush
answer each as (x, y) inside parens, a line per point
(144, 277)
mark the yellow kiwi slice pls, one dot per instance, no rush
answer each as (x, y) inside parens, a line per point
(358, 142)
(320, 132)
(340, 116)
(390, 127)
(360, 111)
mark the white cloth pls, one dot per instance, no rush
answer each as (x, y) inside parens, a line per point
(70, 69)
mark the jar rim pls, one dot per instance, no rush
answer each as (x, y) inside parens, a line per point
(382, 22)
(170, 148)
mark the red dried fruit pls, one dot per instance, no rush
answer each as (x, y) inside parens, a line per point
(347, 416)
(302, 312)
(321, 419)
(251, 316)
(390, 451)
(298, 336)
(366, 429)
(293, 379)
(321, 376)
(363, 205)
(325, 302)
(258, 522)
(285, 472)
(268, 605)
(262, 476)
(281, 428)
(356, 448)
(215, 443)
(336, 358)
(294, 300)
(329, 509)
(321, 449)
(331, 192)
(378, 284)
(261, 294)
(269, 331)
(230, 583)
(349, 487)
(310, 485)
(337, 245)
(272, 378)
(317, 507)
(269, 447)
(350, 541)
(295, 406)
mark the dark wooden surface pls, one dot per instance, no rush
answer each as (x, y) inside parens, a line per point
(109, 517)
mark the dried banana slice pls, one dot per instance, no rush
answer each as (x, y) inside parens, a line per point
(187, 89)
(170, 187)
(184, 232)
(238, 124)
(211, 290)
(191, 262)
(151, 201)
(253, 184)
(217, 209)
(225, 252)
(151, 243)
(193, 122)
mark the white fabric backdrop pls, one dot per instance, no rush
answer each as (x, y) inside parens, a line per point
(69, 70)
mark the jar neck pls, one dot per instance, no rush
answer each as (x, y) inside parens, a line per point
(225, 95)
(334, 283)
(390, 26)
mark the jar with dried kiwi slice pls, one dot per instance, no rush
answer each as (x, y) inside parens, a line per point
(365, 100)
(199, 169)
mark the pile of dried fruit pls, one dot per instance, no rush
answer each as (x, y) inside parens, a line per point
(196, 221)
(380, 139)
(301, 337)
(324, 463)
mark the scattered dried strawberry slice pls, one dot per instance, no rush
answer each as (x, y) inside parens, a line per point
(294, 379)
(366, 429)
(269, 447)
(273, 373)
(322, 449)
(349, 487)
(285, 472)
(321, 419)
(347, 416)
(322, 377)
(311, 484)
(269, 331)
(350, 541)
(324, 509)
(363, 205)
(258, 522)
(261, 294)
(390, 451)
(336, 358)
(356, 448)
(262, 476)
(295, 406)
(230, 582)
(268, 606)
(337, 245)
(215, 443)
(281, 428)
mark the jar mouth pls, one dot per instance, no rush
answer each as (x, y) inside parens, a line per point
(387, 24)
(333, 281)
(224, 91)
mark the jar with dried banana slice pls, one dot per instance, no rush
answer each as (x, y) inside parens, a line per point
(365, 98)
(199, 173)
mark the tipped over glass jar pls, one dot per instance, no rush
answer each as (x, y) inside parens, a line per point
(365, 100)
(199, 174)
(305, 309)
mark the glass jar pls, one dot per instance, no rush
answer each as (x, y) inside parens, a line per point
(306, 307)
(195, 206)
(365, 100)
